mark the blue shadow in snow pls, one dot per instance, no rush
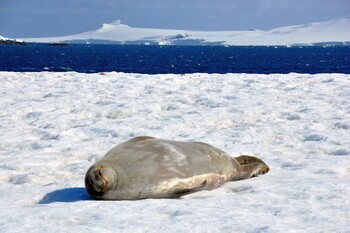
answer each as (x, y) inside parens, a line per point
(66, 195)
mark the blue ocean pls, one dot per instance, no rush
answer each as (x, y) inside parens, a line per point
(175, 59)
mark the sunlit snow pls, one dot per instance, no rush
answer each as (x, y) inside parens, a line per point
(55, 125)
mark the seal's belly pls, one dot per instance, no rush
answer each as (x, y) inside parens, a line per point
(146, 167)
(159, 168)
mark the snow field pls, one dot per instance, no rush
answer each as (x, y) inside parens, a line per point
(53, 126)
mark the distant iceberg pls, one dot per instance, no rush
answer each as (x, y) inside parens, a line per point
(335, 31)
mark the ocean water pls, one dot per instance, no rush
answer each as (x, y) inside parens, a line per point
(175, 59)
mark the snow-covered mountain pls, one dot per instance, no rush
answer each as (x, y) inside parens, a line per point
(335, 31)
(4, 40)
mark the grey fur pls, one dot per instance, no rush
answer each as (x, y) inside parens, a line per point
(146, 167)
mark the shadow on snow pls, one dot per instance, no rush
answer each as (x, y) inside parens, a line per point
(65, 195)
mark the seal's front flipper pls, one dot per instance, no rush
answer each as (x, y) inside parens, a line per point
(179, 191)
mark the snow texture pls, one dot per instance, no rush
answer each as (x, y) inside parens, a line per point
(55, 125)
(335, 31)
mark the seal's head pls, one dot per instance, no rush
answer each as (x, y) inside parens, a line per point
(100, 178)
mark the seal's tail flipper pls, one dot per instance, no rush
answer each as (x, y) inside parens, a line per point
(251, 166)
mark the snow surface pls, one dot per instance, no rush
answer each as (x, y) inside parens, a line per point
(55, 125)
(335, 30)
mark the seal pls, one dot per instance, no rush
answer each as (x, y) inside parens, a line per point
(147, 167)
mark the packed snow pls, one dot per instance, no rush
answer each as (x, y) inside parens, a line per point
(53, 126)
(332, 31)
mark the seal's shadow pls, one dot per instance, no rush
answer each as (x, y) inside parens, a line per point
(65, 195)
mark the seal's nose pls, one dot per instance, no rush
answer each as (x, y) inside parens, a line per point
(98, 180)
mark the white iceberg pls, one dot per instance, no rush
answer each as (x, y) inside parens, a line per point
(331, 31)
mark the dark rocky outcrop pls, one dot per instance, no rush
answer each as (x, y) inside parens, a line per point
(12, 42)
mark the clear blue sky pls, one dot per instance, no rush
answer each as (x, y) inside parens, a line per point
(39, 18)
